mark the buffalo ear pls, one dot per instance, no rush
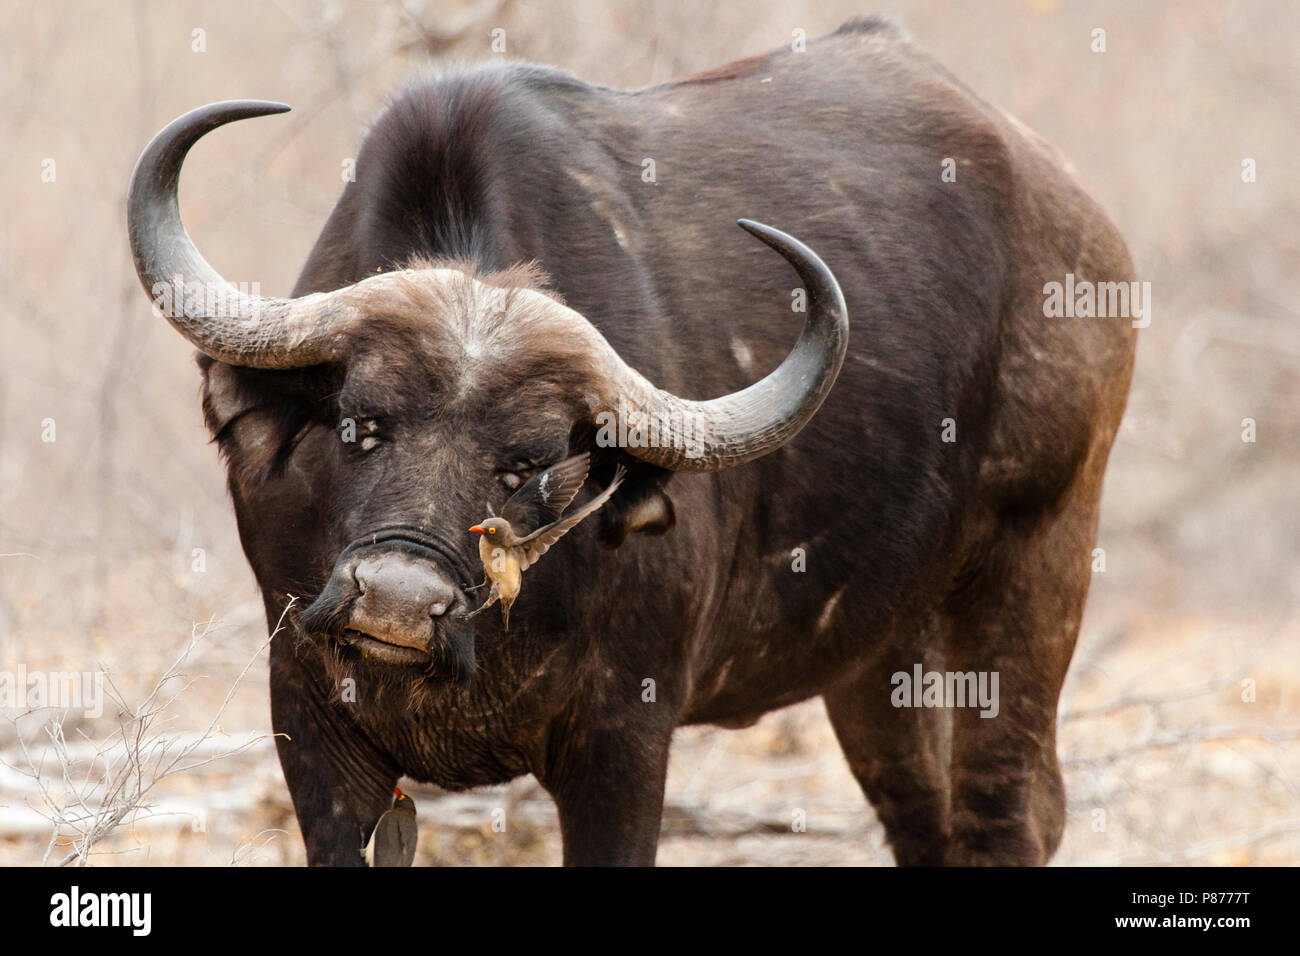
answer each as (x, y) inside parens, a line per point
(251, 416)
(248, 441)
(640, 505)
(224, 397)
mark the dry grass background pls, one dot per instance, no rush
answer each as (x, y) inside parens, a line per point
(1202, 531)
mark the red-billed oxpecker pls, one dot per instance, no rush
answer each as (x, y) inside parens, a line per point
(529, 524)
(395, 836)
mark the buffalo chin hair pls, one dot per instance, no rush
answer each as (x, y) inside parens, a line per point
(452, 659)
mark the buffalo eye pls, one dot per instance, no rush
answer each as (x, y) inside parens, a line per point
(514, 475)
(368, 432)
(365, 433)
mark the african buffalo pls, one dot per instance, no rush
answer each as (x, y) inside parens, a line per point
(528, 267)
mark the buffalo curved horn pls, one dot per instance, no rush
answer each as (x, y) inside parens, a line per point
(222, 321)
(256, 332)
(687, 435)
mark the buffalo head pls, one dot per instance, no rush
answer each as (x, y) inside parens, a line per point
(365, 427)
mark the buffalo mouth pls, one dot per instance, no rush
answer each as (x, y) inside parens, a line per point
(445, 655)
(396, 599)
(386, 651)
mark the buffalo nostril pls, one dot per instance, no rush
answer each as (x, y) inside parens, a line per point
(367, 573)
(444, 597)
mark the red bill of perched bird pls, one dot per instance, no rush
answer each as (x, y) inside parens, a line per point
(529, 524)
(393, 842)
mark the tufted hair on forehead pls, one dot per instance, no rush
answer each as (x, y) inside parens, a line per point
(521, 275)
(486, 334)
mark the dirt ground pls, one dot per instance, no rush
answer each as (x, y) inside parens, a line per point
(1181, 718)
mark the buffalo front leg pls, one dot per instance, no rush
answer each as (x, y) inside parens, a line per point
(608, 786)
(339, 783)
